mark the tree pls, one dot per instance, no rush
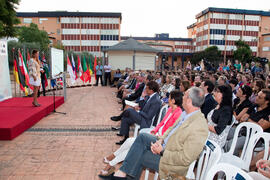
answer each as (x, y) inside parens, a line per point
(33, 34)
(243, 52)
(197, 57)
(210, 54)
(8, 18)
(59, 46)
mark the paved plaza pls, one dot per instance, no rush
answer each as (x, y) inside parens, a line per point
(67, 146)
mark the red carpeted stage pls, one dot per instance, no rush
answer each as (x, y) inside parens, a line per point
(18, 114)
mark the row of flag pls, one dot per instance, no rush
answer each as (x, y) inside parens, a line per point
(21, 73)
(83, 70)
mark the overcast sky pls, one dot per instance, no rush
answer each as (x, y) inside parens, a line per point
(145, 17)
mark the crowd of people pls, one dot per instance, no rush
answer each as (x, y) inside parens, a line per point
(204, 103)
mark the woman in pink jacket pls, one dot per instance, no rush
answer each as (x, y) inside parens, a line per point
(173, 113)
(171, 116)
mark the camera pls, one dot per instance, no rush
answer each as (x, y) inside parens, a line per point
(263, 61)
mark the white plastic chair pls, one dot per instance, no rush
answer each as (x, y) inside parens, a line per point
(244, 162)
(147, 175)
(161, 112)
(208, 157)
(231, 172)
(251, 129)
(161, 115)
(137, 127)
(234, 121)
(136, 130)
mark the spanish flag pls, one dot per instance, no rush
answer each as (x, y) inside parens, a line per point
(19, 77)
(90, 68)
(95, 65)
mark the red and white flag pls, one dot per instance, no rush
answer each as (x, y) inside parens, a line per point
(80, 70)
(70, 71)
(23, 68)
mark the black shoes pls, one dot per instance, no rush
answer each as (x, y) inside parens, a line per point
(118, 134)
(115, 128)
(112, 177)
(121, 142)
(106, 177)
(116, 118)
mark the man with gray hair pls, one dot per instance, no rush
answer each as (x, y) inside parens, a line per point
(172, 153)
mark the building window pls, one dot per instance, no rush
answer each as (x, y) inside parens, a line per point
(58, 20)
(42, 19)
(27, 20)
(58, 31)
(267, 39)
(266, 48)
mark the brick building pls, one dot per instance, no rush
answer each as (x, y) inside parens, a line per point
(223, 27)
(77, 31)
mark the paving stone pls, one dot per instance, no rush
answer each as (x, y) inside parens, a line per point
(69, 146)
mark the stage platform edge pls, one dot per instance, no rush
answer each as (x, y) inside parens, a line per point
(18, 114)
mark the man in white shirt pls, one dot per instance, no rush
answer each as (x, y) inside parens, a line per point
(158, 78)
(108, 70)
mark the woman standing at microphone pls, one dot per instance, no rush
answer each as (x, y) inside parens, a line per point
(34, 75)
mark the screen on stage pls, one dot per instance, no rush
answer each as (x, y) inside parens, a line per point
(57, 62)
(5, 85)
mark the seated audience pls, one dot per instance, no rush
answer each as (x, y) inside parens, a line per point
(166, 88)
(158, 78)
(233, 83)
(209, 102)
(173, 113)
(138, 92)
(144, 116)
(129, 85)
(258, 85)
(184, 86)
(220, 119)
(170, 147)
(263, 173)
(242, 102)
(171, 154)
(177, 84)
(222, 80)
(258, 114)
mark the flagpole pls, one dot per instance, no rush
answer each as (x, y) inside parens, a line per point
(27, 61)
(18, 70)
(82, 71)
(76, 75)
(28, 87)
(13, 49)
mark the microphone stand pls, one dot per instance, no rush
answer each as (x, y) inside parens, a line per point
(54, 109)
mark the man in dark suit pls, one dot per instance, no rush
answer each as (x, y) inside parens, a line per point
(137, 94)
(209, 102)
(130, 86)
(141, 100)
(145, 115)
